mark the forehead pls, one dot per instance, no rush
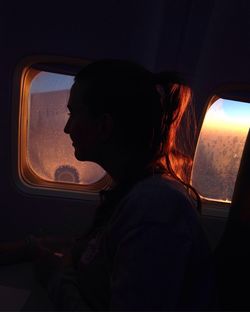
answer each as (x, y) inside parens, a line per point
(76, 96)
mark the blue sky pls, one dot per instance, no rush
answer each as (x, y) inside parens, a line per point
(228, 114)
(236, 109)
(45, 82)
(233, 109)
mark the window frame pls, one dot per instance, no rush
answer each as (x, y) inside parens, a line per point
(213, 207)
(24, 177)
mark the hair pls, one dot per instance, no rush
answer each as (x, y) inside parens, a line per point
(147, 110)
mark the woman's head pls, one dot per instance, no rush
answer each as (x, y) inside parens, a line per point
(121, 104)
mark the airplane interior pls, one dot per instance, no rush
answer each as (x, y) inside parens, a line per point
(46, 191)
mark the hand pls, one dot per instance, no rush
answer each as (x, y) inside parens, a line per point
(56, 242)
(67, 260)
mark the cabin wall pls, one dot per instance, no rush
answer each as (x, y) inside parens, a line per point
(224, 57)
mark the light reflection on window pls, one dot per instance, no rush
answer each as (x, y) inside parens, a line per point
(50, 150)
(220, 148)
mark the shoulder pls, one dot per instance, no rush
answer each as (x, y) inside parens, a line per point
(155, 200)
(160, 190)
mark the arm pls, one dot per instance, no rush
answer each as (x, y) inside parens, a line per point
(18, 251)
(30, 247)
(57, 273)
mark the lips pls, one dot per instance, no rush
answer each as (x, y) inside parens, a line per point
(73, 142)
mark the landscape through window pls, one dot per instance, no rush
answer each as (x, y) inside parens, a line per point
(50, 152)
(220, 148)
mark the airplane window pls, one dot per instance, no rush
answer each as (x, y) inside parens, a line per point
(220, 148)
(50, 153)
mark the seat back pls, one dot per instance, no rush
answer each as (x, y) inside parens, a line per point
(232, 255)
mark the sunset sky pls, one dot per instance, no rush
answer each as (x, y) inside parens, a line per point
(228, 115)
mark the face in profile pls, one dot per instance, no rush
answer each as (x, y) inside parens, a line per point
(82, 126)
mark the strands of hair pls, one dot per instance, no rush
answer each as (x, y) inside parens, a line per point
(178, 164)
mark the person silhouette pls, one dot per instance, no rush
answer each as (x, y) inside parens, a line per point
(146, 249)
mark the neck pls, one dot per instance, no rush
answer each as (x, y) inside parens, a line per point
(124, 167)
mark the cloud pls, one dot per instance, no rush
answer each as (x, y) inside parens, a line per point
(216, 112)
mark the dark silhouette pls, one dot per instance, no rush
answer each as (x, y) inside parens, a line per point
(146, 249)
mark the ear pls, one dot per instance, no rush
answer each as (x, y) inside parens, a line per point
(105, 127)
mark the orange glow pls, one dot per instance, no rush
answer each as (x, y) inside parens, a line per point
(179, 162)
(228, 125)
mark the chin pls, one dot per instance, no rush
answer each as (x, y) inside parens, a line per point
(78, 156)
(83, 156)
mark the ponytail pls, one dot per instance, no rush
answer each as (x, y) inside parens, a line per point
(175, 97)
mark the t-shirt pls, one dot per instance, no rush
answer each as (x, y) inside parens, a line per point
(152, 255)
